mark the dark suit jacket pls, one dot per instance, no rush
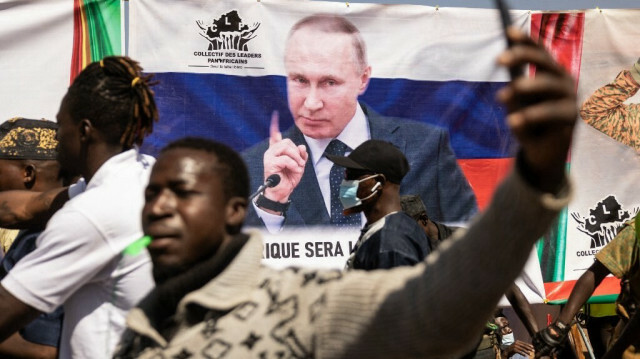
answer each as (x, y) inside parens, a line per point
(434, 175)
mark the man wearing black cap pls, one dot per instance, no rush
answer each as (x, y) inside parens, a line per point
(28, 162)
(374, 171)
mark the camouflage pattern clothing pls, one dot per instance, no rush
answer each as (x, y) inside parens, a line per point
(606, 111)
(620, 257)
(489, 347)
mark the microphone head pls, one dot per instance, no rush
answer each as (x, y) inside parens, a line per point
(272, 180)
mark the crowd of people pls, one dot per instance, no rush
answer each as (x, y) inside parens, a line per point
(198, 290)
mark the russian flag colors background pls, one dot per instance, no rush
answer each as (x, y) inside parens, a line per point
(428, 64)
(435, 65)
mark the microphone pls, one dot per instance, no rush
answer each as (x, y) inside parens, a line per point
(270, 182)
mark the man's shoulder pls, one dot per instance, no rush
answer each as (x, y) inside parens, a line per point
(399, 224)
(401, 241)
(400, 217)
(399, 123)
(88, 216)
(618, 255)
(120, 179)
(415, 133)
(418, 132)
(626, 238)
(116, 194)
(112, 207)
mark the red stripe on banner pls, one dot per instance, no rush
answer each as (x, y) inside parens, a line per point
(561, 34)
(561, 290)
(80, 51)
(484, 175)
(76, 50)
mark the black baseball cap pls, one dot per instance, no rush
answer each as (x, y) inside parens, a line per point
(376, 156)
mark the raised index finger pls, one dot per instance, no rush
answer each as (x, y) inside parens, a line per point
(274, 128)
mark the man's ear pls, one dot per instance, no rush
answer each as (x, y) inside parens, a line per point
(382, 179)
(29, 175)
(86, 129)
(364, 80)
(236, 210)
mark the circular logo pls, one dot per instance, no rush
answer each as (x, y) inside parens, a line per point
(27, 138)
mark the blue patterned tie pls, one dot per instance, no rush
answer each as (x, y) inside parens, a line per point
(336, 175)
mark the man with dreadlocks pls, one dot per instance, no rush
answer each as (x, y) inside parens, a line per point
(80, 261)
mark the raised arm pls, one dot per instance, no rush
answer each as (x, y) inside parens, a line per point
(29, 209)
(521, 306)
(437, 309)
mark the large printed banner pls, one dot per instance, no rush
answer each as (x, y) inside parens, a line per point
(221, 71)
(222, 74)
(225, 67)
(604, 160)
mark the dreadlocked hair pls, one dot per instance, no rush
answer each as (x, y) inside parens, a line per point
(117, 98)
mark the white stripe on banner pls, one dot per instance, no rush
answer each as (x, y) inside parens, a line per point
(404, 41)
(35, 57)
(606, 172)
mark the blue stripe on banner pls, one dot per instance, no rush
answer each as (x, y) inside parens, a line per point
(236, 110)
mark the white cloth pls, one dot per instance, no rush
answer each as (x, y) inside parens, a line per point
(78, 261)
(353, 135)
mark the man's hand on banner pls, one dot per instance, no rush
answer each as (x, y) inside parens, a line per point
(284, 158)
(542, 111)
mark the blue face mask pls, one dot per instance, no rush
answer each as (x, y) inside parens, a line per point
(349, 192)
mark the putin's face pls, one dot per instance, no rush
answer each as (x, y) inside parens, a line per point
(324, 80)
